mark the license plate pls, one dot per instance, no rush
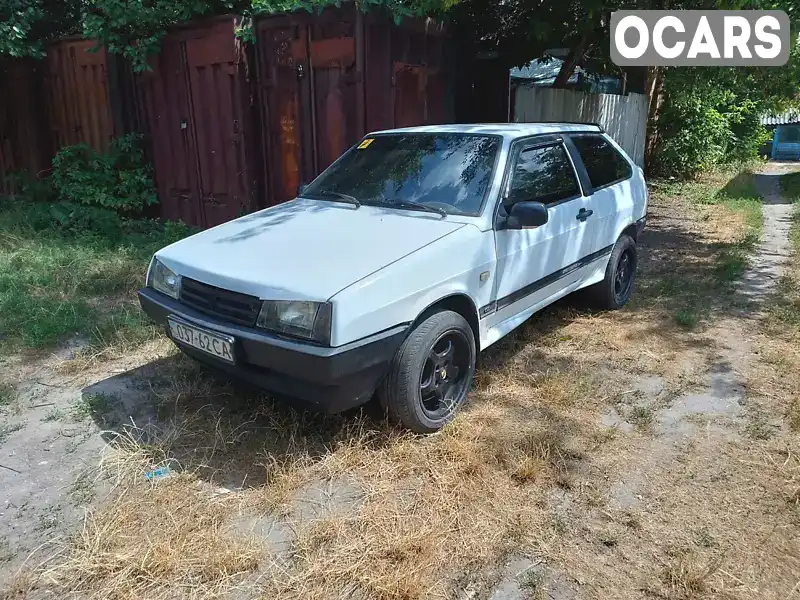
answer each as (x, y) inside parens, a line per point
(209, 342)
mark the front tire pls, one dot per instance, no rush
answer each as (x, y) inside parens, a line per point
(431, 374)
(616, 289)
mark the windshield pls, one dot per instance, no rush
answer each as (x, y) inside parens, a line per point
(448, 172)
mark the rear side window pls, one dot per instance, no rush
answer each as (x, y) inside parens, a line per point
(542, 174)
(604, 163)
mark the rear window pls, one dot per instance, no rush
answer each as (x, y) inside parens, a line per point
(448, 171)
(604, 163)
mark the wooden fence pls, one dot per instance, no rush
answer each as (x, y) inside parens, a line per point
(624, 118)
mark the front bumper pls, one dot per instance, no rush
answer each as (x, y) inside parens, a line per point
(331, 379)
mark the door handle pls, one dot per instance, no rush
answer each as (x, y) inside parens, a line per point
(584, 214)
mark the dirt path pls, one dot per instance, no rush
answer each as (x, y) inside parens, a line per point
(768, 264)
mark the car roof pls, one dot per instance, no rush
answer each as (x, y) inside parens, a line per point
(507, 130)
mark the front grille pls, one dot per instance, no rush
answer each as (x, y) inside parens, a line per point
(228, 306)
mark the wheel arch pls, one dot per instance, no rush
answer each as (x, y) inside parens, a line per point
(630, 230)
(459, 303)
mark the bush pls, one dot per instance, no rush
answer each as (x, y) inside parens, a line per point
(34, 187)
(118, 179)
(701, 126)
(78, 219)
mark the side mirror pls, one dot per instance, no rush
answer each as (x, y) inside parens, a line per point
(301, 188)
(527, 214)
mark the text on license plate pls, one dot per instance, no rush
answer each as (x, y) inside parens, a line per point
(216, 345)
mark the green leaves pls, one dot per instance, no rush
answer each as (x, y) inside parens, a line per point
(17, 17)
(117, 180)
(26, 24)
(135, 28)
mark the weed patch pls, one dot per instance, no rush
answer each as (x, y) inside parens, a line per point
(7, 395)
(642, 417)
(687, 317)
(97, 406)
(54, 284)
(688, 576)
(6, 430)
(52, 415)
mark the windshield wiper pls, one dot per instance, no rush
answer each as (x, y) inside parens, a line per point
(340, 197)
(417, 206)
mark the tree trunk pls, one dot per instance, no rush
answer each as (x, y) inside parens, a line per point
(654, 90)
(573, 59)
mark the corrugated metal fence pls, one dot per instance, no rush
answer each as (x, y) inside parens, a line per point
(231, 128)
(46, 105)
(24, 141)
(624, 118)
(77, 94)
(194, 107)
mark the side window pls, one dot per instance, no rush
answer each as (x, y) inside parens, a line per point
(603, 162)
(542, 174)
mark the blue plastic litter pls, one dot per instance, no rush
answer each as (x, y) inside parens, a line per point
(159, 473)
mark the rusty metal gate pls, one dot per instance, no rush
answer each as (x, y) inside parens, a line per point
(77, 94)
(407, 73)
(326, 79)
(194, 105)
(312, 96)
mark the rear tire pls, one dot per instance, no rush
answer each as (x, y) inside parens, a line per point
(616, 289)
(431, 374)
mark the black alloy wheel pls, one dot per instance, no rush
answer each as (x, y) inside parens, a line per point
(445, 376)
(616, 288)
(430, 376)
(623, 278)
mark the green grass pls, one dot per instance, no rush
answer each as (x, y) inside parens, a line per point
(55, 284)
(739, 198)
(694, 288)
(641, 417)
(733, 260)
(687, 317)
(96, 406)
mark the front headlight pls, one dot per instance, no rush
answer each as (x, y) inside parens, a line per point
(163, 280)
(307, 320)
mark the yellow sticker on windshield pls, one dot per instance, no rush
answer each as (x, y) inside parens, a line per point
(365, 143)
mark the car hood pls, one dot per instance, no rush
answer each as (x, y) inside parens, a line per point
(303, 249)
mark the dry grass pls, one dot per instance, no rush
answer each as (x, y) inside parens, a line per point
(117, 344)
(427, 508)
(688, 576)
(157, 540)
(154, 538)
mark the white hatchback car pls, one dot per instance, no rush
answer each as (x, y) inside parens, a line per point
(416, 249)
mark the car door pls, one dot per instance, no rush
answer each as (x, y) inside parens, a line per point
(537, 263)
(610, 193)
